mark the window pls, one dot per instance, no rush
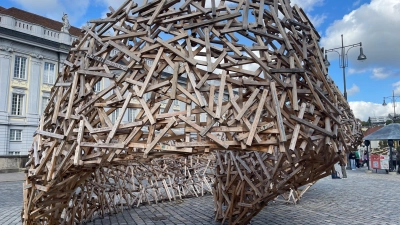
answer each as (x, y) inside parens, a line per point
(49, 73)
(14, 153)
(15, 135)
(20, 67)
(17, 104)
(97, 86)
(114, 115)
(131, 115)
(45, 100)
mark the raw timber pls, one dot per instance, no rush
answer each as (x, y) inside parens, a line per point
(253, 89)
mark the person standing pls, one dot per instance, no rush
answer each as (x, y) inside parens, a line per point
(394, 160)
(343, 163)
(366, 161)
(398, 162)
(352, 157)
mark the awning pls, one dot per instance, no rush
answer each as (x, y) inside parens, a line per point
(391, 131)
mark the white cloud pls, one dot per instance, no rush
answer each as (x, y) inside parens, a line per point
(362, 110)
(307, 5)
(357, 71)
(379, 73)
(317, 20)
(377, 26)
(383, 73)
(396, 88)
(353, 90)
(54, 9)
(356, 3)
(208, 3)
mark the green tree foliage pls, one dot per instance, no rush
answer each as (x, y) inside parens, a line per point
(364, 123)
(383, 143)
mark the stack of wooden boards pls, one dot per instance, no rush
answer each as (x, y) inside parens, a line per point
(252, 85)
(380, 151)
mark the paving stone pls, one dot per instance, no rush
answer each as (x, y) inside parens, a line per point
(361, 199)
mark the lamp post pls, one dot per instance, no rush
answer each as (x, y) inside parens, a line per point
(343, 59)
(390, 142)
(391, 166)
(393, 97)
(367, 143)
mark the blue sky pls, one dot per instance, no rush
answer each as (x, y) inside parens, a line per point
(375, 23)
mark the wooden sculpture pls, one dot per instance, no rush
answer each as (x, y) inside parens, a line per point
(250, 80)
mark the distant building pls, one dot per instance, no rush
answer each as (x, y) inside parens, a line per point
(32, 51)
(374, 144)
(379, 119)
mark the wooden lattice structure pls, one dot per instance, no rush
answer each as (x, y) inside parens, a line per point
(252, 87)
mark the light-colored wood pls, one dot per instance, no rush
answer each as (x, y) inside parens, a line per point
(237, 92)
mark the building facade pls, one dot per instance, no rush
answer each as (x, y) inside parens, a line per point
(32, 49)
(378, 119)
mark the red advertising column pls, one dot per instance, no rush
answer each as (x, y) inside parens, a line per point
(375, 161)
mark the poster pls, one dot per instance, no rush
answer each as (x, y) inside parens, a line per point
(384, 162)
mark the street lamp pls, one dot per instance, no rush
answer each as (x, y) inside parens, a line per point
(367, 143)
(343, 60)
(391, 166)
(393, 97)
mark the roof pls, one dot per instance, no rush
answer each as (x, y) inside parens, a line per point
(391, 131)
(36, 19)
(371, 130)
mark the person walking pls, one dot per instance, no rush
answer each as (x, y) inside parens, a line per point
(352, 157)
(343, 163)
(357, 159)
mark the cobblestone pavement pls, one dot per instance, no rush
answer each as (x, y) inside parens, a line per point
(11, 198)
(361, 199)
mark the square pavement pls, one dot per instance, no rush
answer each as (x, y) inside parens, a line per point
(363, 198)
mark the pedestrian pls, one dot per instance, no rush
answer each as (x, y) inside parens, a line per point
(398, 162)
(352, 157)
(394, 160)
(357, 159)
(342, 163)
(366, 160)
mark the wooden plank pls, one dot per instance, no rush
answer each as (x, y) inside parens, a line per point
(78, 150)
(210, 21)
(151, 71)
(296, 130)
(174, 80)
(265, 67)
(198, 128)
(119, 119)
(124, 50)
(49, 134)
(257, 117)
(176, 52)
(221, 92)
(159, 136)
(282, 136)
(308, 124)
(247, 105)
